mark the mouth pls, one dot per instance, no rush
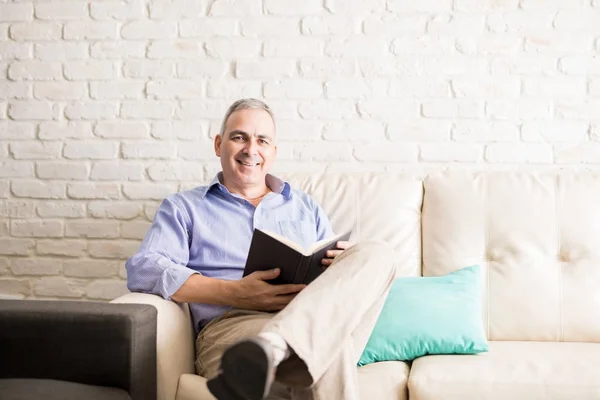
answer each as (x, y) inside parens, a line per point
(247, 164)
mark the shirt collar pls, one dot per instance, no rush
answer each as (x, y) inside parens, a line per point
(274, 183)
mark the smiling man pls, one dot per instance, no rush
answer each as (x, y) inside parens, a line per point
(251, 332)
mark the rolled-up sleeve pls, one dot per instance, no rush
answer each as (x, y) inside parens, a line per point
(160, 264)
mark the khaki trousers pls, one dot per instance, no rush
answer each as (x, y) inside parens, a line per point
(327, 325)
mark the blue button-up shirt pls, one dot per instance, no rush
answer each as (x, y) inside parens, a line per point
(207, 230)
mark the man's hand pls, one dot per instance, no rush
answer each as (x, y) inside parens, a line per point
(331, 254)
(253, 293)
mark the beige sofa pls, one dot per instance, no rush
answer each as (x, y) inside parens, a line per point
(537, 237)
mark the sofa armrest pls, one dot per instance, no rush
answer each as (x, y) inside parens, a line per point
(86, 342)
(175, 345)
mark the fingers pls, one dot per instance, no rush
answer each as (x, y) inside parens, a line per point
(281, 290)
(326, 262)
(266, 275)
(282, 301)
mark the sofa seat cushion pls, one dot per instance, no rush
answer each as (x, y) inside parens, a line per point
(49, 389)
(381, 381)
(510, 370)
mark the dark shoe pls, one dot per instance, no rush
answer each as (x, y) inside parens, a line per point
(247, 371)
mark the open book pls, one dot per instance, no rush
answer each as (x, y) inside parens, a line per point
(269, 250)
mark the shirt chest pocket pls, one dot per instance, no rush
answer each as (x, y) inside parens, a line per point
(303, 232)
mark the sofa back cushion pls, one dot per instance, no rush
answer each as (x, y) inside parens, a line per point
(377, 206)
(537, 237)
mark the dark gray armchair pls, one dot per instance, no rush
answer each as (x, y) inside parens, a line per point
(77, 350)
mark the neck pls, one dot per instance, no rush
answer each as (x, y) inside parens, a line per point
(250, 192)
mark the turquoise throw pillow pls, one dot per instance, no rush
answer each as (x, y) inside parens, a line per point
(429, 315)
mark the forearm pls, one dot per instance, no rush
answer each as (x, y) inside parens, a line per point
(201, 289)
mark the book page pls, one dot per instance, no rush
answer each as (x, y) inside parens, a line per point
(288, 242)
(323, 243)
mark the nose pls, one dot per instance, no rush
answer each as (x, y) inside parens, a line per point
(251, 147)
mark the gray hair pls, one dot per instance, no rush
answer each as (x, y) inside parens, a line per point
(245, 104)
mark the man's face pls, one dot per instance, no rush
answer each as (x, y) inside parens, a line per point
(247, 149)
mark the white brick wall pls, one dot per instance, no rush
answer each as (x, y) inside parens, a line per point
(108, 106)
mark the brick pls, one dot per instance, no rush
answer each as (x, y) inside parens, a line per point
(61, 51)
(525, 65)
(203, 150)
(519, 153)
(419, 130)
(121, 129)
(92, 229)
(86, 70)
(106, 289)
(35, 31)
(301, 131)
(433, 6)
(182, 130)
(452, 109)
(213, 109)
(38, 190)
(115, 209)
(31, 110)
(4, 189)
(4, 266)
(521, 109)
(174, 89)
(349, 88)
(555, 131)
(327, 109)
(493, 44)
(485, 6)
(357, 46)
(142, 191)
(137, 30)
(92, 191)
(282, 109)
(150, 210)
(17, 209)
(148, 69)
(35, 70)
(383, 109)
(293, 89)
(233, 47)
(16, 169)
(584, 153)
(207, 27)
(387, 152)
(60, 247)
(330, 25)
(297, 47)
(524, 22)
(175, 171)
(485, 131)
(4, 31)
(36, 229)
(89, 268)
(395, 24)
(62, 171)
(95, 150)
(595, 132)
(148, 150)
(366, 131)
(232, 89)
(550, 4)
(451, 152)
(580, 65)
(91, 110)
(183, 48)
(237, 8)
(291, 7)
(16, 247)
(555, 87)
(52, 130)
(118, 50)
(61, 10)
(326, 68)
(117, 171)
(121, 249)
(270, 26)
(91, 30)
(117, 10)
(202, 69)
(492, 87)
(419, 87)
(457, 24)
(59, 287)
(422, 45)
(15, 51)
(16, 130)
(440, 66)
(60, 210)
(594, 90)
(60, 90)
(147, 109)
(134, 229)
(578, 110)
(355, 7)
(558, 44)
(14, 288)
(333, 152)
(116, 89)
(16, 12)
(15, 90)
(176, 9)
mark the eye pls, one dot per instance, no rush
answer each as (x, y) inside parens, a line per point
(237, 137)
(263, 141)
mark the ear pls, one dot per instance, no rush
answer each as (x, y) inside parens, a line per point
(218, 141)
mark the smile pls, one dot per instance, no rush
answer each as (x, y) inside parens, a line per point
(246, 164)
